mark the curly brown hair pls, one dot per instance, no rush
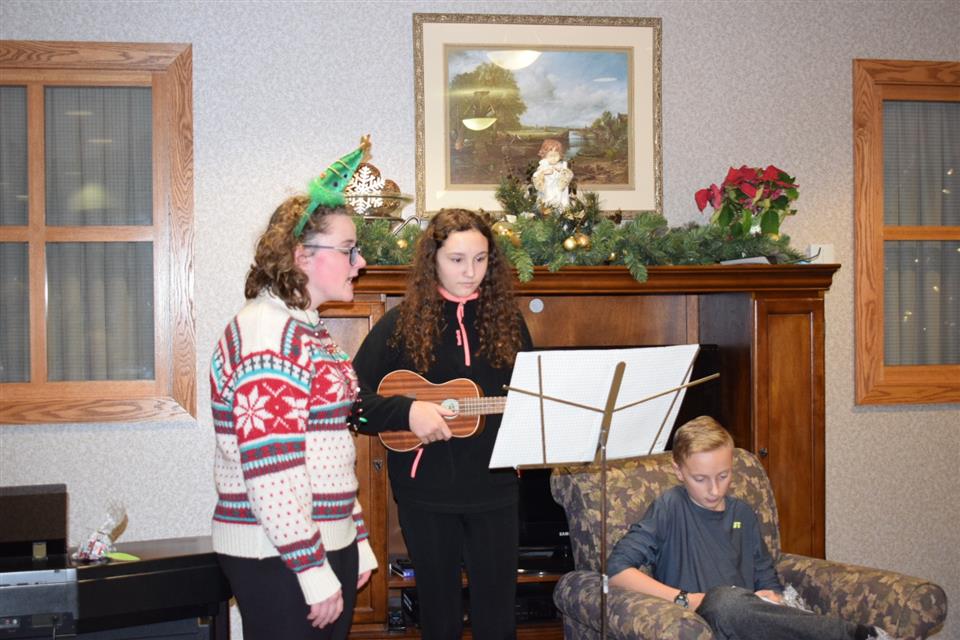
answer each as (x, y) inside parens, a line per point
(274, 265)
(420, 322)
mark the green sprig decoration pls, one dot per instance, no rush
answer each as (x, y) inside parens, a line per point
(380, 245)
(515, 197)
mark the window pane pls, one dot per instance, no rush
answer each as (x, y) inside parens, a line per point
(921, 163)
(99, 146)
(13, 155)
(921, 303)
(100, 311)
(14, 313)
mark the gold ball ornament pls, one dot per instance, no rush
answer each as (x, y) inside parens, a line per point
(570, 243)
(515, 239)
(501, 228)
(401, 243)
(582, 240)
(612, 257)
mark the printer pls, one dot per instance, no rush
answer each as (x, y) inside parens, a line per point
(38, 585)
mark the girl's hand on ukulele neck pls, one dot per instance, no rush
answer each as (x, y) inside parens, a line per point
(428, 421)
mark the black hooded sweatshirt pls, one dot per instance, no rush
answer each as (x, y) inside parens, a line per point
(452, 476)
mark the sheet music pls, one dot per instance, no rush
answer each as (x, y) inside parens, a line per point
(584, 377)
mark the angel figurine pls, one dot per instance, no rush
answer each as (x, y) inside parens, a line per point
(552, 177)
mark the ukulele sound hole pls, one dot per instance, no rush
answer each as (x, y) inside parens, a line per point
(451, 405)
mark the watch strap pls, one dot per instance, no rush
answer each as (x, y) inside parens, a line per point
(682, 599)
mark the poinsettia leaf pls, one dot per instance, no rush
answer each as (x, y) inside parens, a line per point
(770, 223)
(792, 194)
(747, 222)
(726, 215)
(786, 179)
(701, 198)
(781, 202)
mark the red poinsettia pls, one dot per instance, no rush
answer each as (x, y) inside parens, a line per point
(750, 199)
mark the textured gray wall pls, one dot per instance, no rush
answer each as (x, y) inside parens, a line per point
(282, 88)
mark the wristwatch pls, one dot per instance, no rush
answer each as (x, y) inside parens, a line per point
(681, 599)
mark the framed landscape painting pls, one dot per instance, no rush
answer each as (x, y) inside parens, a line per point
(490, 89)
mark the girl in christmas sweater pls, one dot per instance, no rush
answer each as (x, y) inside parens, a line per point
(457, 320)
(287, 526)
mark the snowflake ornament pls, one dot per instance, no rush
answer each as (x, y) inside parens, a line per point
(366, 182)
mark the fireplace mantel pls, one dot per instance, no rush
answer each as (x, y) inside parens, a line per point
(391, 280)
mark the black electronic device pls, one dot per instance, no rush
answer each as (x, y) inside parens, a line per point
(38, 585)
(543, 522)
(534, 603)
(33, 521)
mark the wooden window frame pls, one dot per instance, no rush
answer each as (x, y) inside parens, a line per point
(873, 82)
(168, 70)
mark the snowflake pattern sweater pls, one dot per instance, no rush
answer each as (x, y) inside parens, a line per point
(281, 394)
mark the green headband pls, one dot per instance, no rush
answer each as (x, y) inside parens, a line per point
(327, 188)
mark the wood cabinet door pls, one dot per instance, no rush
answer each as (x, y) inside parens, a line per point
(349, 324)
(789, 415)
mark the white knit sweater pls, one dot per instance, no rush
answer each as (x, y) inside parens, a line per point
(281, 394)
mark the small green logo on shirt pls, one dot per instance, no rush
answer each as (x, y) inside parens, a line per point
(736, 524)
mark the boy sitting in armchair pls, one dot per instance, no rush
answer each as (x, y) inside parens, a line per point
(707, 554)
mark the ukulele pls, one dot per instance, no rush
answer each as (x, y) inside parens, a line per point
(460, 395)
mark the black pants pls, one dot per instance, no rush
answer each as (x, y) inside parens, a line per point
(737, 614)
(271, 602)
(486, 543)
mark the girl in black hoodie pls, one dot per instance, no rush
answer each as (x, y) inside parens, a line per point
(458, 319)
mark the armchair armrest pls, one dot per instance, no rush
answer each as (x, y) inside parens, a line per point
(905, 606)
(629, 614)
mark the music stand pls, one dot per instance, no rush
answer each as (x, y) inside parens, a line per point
(576, 429)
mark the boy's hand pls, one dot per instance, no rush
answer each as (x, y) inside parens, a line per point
(769, 596)
(694, 600)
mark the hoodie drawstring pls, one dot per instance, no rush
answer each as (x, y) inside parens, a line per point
(462, 331)
(461, 342)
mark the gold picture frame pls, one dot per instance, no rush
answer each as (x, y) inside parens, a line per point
(469, 131)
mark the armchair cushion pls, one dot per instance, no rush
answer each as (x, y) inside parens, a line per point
(629, 614)
(906, 607)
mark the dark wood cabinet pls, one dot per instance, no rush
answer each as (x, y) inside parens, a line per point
(768, 325)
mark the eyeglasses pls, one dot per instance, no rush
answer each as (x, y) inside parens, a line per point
(353, 252)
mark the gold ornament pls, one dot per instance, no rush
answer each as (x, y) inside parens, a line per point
(570, 244)
(401, 243)
(504, 229)
(612, 257)
(501, 228)
(582, 240)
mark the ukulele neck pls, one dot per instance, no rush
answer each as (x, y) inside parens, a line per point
(482, 406)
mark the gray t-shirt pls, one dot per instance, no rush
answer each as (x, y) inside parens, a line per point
(695, 549)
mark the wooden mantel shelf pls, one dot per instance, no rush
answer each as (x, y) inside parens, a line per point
(391, 280)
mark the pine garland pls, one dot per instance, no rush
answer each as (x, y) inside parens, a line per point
(531, 237)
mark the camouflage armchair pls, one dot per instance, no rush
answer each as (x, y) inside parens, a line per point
(906, 607)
